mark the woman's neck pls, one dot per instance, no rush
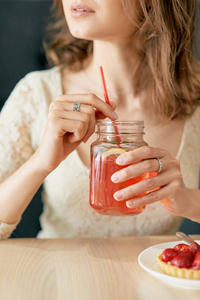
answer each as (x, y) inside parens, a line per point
(118, 61)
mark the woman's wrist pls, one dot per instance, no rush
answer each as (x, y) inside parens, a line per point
(39, 165)
(25, 182)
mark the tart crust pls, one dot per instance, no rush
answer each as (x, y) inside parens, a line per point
(178, 272)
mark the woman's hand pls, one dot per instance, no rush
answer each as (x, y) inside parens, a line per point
(66, 128)
(166, 186)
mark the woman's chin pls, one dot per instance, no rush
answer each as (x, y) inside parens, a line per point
(83, 36)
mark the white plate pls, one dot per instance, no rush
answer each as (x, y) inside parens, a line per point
(148, 261)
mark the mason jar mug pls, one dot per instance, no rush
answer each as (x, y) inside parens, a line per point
(113, 139)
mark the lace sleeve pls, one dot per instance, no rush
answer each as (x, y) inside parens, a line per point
(16, 122)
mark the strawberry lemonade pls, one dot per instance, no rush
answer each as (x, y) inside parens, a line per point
(102, 189)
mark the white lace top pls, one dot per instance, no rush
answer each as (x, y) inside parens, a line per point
(66, 190)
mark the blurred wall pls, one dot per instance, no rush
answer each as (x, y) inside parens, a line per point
(22, 25)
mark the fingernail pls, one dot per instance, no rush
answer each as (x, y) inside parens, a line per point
(118, 195)
(130, 204)
(114, 115)
(120, 160)
(115, 177)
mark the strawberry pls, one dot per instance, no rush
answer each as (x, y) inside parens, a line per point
(182, 260)
(182, 248)
(194, 247)
(196, 261)
(168, 254)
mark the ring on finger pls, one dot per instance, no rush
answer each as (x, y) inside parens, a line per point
(76, 106)
(160, 165)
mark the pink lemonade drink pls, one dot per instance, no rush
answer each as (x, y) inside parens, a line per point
(102, 189)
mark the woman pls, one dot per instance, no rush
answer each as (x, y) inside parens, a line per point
(146, 49)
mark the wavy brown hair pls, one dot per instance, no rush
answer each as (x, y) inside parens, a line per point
(167, 70)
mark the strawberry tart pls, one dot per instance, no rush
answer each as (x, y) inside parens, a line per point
(182, 261)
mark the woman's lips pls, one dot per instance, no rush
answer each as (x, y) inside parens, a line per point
(81, 11)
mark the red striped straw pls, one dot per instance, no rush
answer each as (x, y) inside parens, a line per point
(108, 102)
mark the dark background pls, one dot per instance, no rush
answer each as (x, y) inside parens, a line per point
(22, 25)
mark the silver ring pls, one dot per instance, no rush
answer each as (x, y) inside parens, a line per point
(160, 165)
(76, 106)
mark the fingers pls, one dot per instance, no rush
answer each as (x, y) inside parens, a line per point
(147, 199)
(135, 170)
(80, 128)
(154, 186)
(143, 160)
(170, 191)
(60, 127)
(113, 104)
(140, 154)
(68, 106)
(147, 184)
(83, 121)
(93, 101)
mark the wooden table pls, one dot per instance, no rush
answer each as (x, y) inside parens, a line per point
(82, 269)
